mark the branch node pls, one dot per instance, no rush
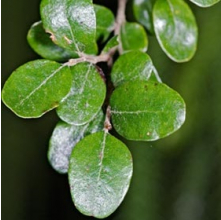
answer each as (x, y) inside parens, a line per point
(107, 124)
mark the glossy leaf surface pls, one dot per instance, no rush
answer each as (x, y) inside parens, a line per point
(36, 87)
(104, 22)
(131, 66)
(146, 110)
(99, 174)
(133, 37)
(113, 42)
(72, 24)
(41, 43)
(175, 29)
(143, 13)
(66, 136)
(86, 96)
(205, 3)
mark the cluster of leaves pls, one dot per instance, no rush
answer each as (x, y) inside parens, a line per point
(141, 107)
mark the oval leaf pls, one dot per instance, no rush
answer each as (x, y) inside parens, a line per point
(133, 37)
(146, 110)
(66, 136)
(86, 96)
(72, 24)
(143, 13)
(104, 22)
(41, 43)
(176, 29)
(131, 66)
(205, 3)
(113, 42)
(36, 87)
(99, 174)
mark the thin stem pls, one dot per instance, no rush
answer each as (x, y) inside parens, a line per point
(120, 18)
(88, 58)
(92, 59)
(107, 124)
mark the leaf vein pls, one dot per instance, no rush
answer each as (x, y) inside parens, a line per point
(72, 35)
(135, 112)
(39, 86)
(102, 155)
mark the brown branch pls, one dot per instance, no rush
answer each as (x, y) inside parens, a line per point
(107, 124)
(90, 59)
(120, 18)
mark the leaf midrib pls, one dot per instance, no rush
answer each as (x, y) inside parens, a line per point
(71, 31)
(38, 87)
(103, 144)
(136, 112)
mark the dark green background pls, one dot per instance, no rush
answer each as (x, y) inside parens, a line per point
(177, 178)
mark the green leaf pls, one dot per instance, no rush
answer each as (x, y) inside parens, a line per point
(41, 43)
(105, 22)
(99, 174)
(176, 29)
(86, 96)
(71, 23)
(131, 66)
(133, 37)
(143, 13)
(66, 136)
(146, 110)
(36, 87)
(205, 3)
(113, 42)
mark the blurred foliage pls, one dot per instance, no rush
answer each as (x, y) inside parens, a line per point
(177, 178)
